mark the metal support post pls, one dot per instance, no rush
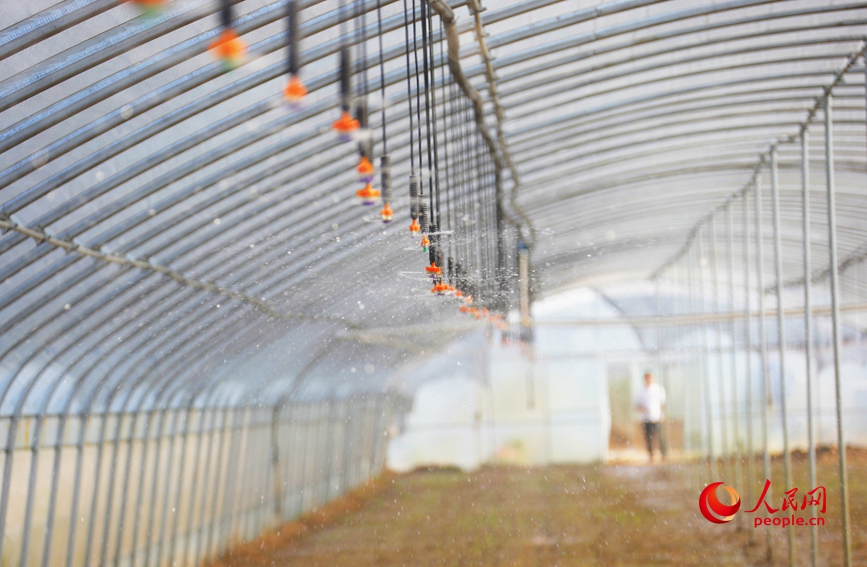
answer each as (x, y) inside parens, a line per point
(835, 323)
(781, 338)
(763, 348)
(735, 413)
(748, 359)
(808, 334)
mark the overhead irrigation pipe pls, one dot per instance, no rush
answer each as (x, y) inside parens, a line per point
(498, 149)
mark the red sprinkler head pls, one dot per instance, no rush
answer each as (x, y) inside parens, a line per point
(386, 213)
(295, 91)
(433, 270)
(365, 170)
(368, 195)
(346, 125)
(229, 48)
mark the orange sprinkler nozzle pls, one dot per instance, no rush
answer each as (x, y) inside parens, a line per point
(229, 48)
(433, 269)
(365, 170)
(346, 124)
(475, 312)
(368, 195)
(464, 309)
(414, 227)
(386, 213)
(425, 242)
(295, 90)
(458, 293)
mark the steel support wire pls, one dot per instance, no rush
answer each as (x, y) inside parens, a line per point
(209, 286)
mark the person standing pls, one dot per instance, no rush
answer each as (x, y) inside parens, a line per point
(650, 403)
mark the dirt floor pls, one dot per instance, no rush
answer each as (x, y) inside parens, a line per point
(617, 515)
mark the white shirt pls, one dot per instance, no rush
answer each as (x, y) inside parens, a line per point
(650, 401)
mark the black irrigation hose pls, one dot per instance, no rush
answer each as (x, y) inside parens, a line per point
(436, 173)
(427, 105)
(409, 90)
(424, 207)
(381, 76)
(385, 160)
(292, 28)
(226, 14)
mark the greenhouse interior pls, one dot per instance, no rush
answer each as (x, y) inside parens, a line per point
(433, 282)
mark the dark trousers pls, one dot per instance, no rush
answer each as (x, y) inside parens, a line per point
(654, 429)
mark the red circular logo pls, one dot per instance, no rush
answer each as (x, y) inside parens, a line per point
(711, 508)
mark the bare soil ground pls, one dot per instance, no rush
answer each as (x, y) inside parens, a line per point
(612, 515)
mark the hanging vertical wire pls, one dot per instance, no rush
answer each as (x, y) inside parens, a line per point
(423, 210)
(470, 256)
(295, 91)
(387, 214)
(461, 154)
(366, 172)
(426, 70)
(433, 121)
(346, 125)
(414, 226)
(228, 47)
(446, 99)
